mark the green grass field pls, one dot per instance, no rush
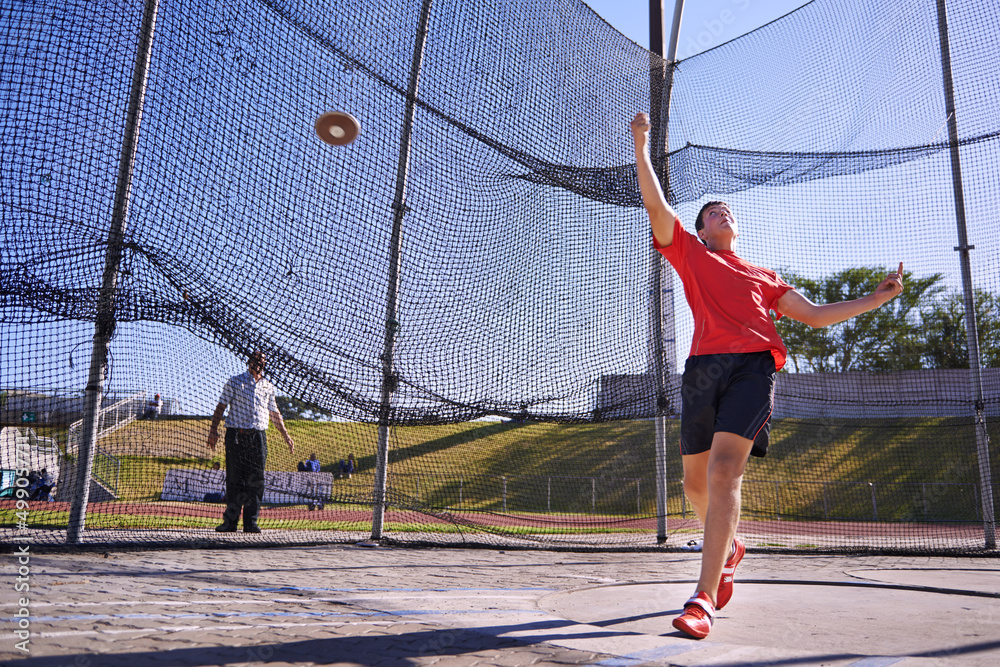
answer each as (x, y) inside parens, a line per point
(892, 470)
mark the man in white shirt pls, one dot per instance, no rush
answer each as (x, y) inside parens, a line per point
(154, 407)
(252, 403)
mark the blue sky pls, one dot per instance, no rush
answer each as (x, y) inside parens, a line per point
(704, 23)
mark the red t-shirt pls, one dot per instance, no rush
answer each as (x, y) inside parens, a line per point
(730, 298)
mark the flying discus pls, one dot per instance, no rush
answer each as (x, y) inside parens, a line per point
(337, 128)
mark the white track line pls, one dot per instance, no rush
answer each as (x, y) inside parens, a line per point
(201, 628)
(233, 601)
(152, 603)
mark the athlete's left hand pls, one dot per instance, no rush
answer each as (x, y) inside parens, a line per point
(891, 287)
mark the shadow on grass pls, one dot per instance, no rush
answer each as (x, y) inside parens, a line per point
(400, 454)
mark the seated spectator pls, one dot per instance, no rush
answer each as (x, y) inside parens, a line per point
(34, 481)
(154, 407)
(215, 496)
(312, 465)
(43, 488)
(347, 467)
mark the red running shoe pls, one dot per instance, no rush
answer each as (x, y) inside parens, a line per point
(725, 591)
(697, 617)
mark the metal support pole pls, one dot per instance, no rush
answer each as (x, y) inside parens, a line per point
(661, 77)
(978, 401)
(105, 322)
(874, 502)
(389, 379)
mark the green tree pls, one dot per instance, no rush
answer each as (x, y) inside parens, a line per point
(946, 333)
(889, 338)
(293, 408)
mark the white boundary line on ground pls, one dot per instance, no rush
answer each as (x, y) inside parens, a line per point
(202, 628)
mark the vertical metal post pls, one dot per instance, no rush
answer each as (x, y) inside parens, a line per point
(105, 321)
(874, 502)
(389, 379)
(978, 402)
(661, 77)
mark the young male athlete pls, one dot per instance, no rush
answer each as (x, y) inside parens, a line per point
(727, 388)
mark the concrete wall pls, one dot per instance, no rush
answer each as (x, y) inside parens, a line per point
(57, 409)
(47, 409)
(860, 395)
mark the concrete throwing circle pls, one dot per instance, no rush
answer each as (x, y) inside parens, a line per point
(832, 619)
(983, 580)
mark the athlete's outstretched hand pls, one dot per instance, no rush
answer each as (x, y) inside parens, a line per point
(891, 287)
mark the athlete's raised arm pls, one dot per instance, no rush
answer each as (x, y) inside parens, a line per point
(661, 216)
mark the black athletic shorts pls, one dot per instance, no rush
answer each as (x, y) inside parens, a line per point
(733, 393)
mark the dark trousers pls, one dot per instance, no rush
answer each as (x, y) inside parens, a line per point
(246, 453)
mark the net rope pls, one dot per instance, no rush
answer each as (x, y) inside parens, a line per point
(523, 392)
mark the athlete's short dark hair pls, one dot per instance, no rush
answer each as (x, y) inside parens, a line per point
(257, 360)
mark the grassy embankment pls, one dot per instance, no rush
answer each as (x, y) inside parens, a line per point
(922, 468)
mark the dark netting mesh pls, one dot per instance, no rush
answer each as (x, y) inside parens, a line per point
(521, 382)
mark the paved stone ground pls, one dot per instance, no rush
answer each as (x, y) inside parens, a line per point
(394, 606)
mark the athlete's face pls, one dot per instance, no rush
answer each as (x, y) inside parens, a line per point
(719, 224)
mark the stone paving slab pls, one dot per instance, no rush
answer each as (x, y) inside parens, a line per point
(394, 606)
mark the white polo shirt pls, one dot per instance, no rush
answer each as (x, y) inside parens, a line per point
(249, 401)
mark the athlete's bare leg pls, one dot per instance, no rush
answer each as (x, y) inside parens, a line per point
(722, 467)
(696, 482)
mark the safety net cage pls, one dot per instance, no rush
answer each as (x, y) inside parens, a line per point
(462, 314)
